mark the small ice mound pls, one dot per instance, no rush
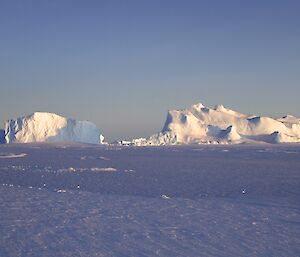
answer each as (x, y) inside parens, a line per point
(109, 169)
(255, 119)
(230, 134)
(101, 139)
(62, 147)
(279, 137)
(161, 138)
(104, 158)
(129, 170)
(84, 158)
(61, 191)
(11, 155)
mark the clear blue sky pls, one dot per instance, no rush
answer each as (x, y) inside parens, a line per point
(123, 64)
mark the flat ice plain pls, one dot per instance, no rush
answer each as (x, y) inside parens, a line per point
(88, 200)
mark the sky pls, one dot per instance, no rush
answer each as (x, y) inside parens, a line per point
(123, 64)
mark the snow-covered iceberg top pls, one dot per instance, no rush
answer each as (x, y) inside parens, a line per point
(50, 127)
(201, 124)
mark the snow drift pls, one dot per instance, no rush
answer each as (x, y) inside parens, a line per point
(50, 127)
(201, 124)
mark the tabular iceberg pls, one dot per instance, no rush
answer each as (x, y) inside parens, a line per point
(201, 124)
(50, 127)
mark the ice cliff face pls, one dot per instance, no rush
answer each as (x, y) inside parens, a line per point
(50, 127)
(200, 124)
(2, 136)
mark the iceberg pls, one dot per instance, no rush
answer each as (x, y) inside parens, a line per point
(219, 125)
(50, 127)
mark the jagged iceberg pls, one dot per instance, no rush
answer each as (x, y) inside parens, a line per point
(50, 127)
(201, 124)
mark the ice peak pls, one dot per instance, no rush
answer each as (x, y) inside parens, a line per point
(44, 115)
(220, 108)
(198, 106)
(289, 117)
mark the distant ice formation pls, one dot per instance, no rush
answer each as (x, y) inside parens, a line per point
(11, 155)
(219, 125)
(196, 125)
(50, 127)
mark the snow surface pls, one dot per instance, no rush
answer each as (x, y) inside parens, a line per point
(204, 125)
(203, 200)
(50, 127)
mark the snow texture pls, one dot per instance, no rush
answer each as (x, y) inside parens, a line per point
(203, 200)
(204, 125)
(50, 127)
